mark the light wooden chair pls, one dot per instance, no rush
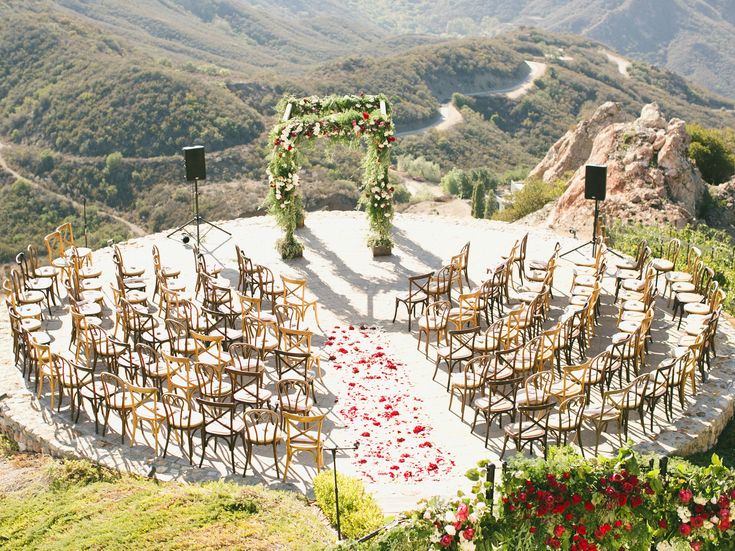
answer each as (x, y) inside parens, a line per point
(294, 293)
(303, 434)
(148, 409)
(262, 429)
(418, 295)
(434, 320)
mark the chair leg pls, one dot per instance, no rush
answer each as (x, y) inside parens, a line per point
(275, 459)
(395, 312)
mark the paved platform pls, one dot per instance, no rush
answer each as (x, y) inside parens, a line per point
(355, 289)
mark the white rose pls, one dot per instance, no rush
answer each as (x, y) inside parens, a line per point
(699, 500)
(450, 529)
(427, 515)
(434, 538)
(449, 517)
(473, 518)
(707, 525)
(466, 546)
(684, 514)
(480, 506)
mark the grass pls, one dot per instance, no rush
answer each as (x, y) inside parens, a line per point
(724, 448)
(76, 505)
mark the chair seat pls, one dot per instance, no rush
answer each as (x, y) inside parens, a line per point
(92, 391)
(216, 388)
(530, 432)
(224, 427)
(494, 403)
(150, 412)
(561, 424)
(211, 358)
(470, 381)
(28, 310)
(626, 353)
(698, 308)
(626, 264)
(527, 297)
(132, 271)
(678, 351)
(121, 400)
(629, 326)
(657, 390)
(30, 325)
(93, 321)
(91, 296)
(81, 252)
(625, 295)
(30, 297)
(586, 261)
(185, 419)
(634, 306)
(262, 434)
(419, 296)
(585, 280)
(662, 265)
(136, 283)
(184, 345)
(169, 271)
(533, 396)
(486, 343)
(41, 337)
(582, 291)
(46, 271)
(536, 275)
(678, 277)
(594, 412)
(89, 308)
(689, 297)
(463, 354)
(634, 285)
(683, 287)
(61, 263)
(157, 334)
(247, 395)
(86, 272)
(90, 284)
(584, 270)
(567, 388)
(295, 402)
(39, 283)
(631, 315)
(627, 274)
(540, 265)
(432, 324)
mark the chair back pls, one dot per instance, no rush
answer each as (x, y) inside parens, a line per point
(245, 358)
(54, 246)
(287, 315)
(418, 285)
(210, 381)
(292, 364)
(293, 395)
(303, 432)
(570, 412)
(178, 410)
(462, 341)
(116, 390)
(261, 425)
(66, 233)
(218, 413)
(294, 290)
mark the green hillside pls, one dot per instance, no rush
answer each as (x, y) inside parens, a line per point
(69, 87)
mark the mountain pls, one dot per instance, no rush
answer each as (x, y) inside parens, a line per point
(98, 97)
(695, 38)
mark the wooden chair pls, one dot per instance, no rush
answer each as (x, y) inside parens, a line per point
(41, 270)
(465, 314)
(267, 286)
(146, 409)
(694, 254)
(473, 376)
(260, 335)
(459, 349)
(303, 434)
(294, 396)
(247, 376)
(165, 275)
(180, 376)
(31, 283)
(568, 418)
(117, 398)
(441, 285)
(208, 350)
(86, 386)
(299, 340)
(126, 270)
(666, 263)
(211, 382)
(179, 338)
(261, 429)
(498, 398)
(294, 293)
(247, 274)
(434, 320)
(183, 420)
(418, 294)
(66, 234)
(153, 367)
(56, 253)
(532, 426)
(46, 370)
(464, 256)
(221, 422)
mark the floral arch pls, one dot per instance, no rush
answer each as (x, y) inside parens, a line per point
(343, 119)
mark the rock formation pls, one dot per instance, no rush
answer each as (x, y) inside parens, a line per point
(650, 178)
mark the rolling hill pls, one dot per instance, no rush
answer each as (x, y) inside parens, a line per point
(98, 98)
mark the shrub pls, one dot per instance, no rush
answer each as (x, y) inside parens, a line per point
(419, 168)
(359, 512)
(79, 472)
(712, 150)
(491, 204)
(450, 181)
(534, 195)
(401, 194)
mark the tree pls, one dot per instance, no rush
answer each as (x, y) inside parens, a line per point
(712, 153)
(450, 182)
(465, 185)
(478, 200)
(491, 204)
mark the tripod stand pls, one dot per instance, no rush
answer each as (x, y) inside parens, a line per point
(197, 218)
(592, 241)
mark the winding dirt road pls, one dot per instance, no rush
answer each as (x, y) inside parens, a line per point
(449, 115)
(136, 230)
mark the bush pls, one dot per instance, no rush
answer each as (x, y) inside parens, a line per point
(359, 512)
(79, 472)
(534, 195)
(712, 150)
(450, 181)
(419, 168)
(491, 204)
(401, 194)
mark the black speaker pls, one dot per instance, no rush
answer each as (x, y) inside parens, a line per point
(194, 160)
(595, 182)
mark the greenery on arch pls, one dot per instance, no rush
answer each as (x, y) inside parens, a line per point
(344, 119)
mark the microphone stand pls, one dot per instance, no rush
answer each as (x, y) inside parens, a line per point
(336, 489)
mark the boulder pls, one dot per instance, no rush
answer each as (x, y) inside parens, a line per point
(650, 177)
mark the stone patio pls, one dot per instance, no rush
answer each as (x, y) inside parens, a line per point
(354, 289)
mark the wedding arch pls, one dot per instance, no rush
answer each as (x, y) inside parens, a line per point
(344, 119)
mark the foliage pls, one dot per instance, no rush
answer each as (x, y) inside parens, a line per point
(478, 200)
(359, 512)
(491, 204)
(713, 151)
(345, 119)
(70, 89)
(7, 446)
(77, 509)
(462, 182)
(20, 204)
(419, 168)
(534, 195)
(401, 193)
(718, 248)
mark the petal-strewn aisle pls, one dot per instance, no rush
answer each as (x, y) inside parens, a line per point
(376, 403)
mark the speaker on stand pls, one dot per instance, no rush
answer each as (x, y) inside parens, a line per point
(196, 169)
(595, 189)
